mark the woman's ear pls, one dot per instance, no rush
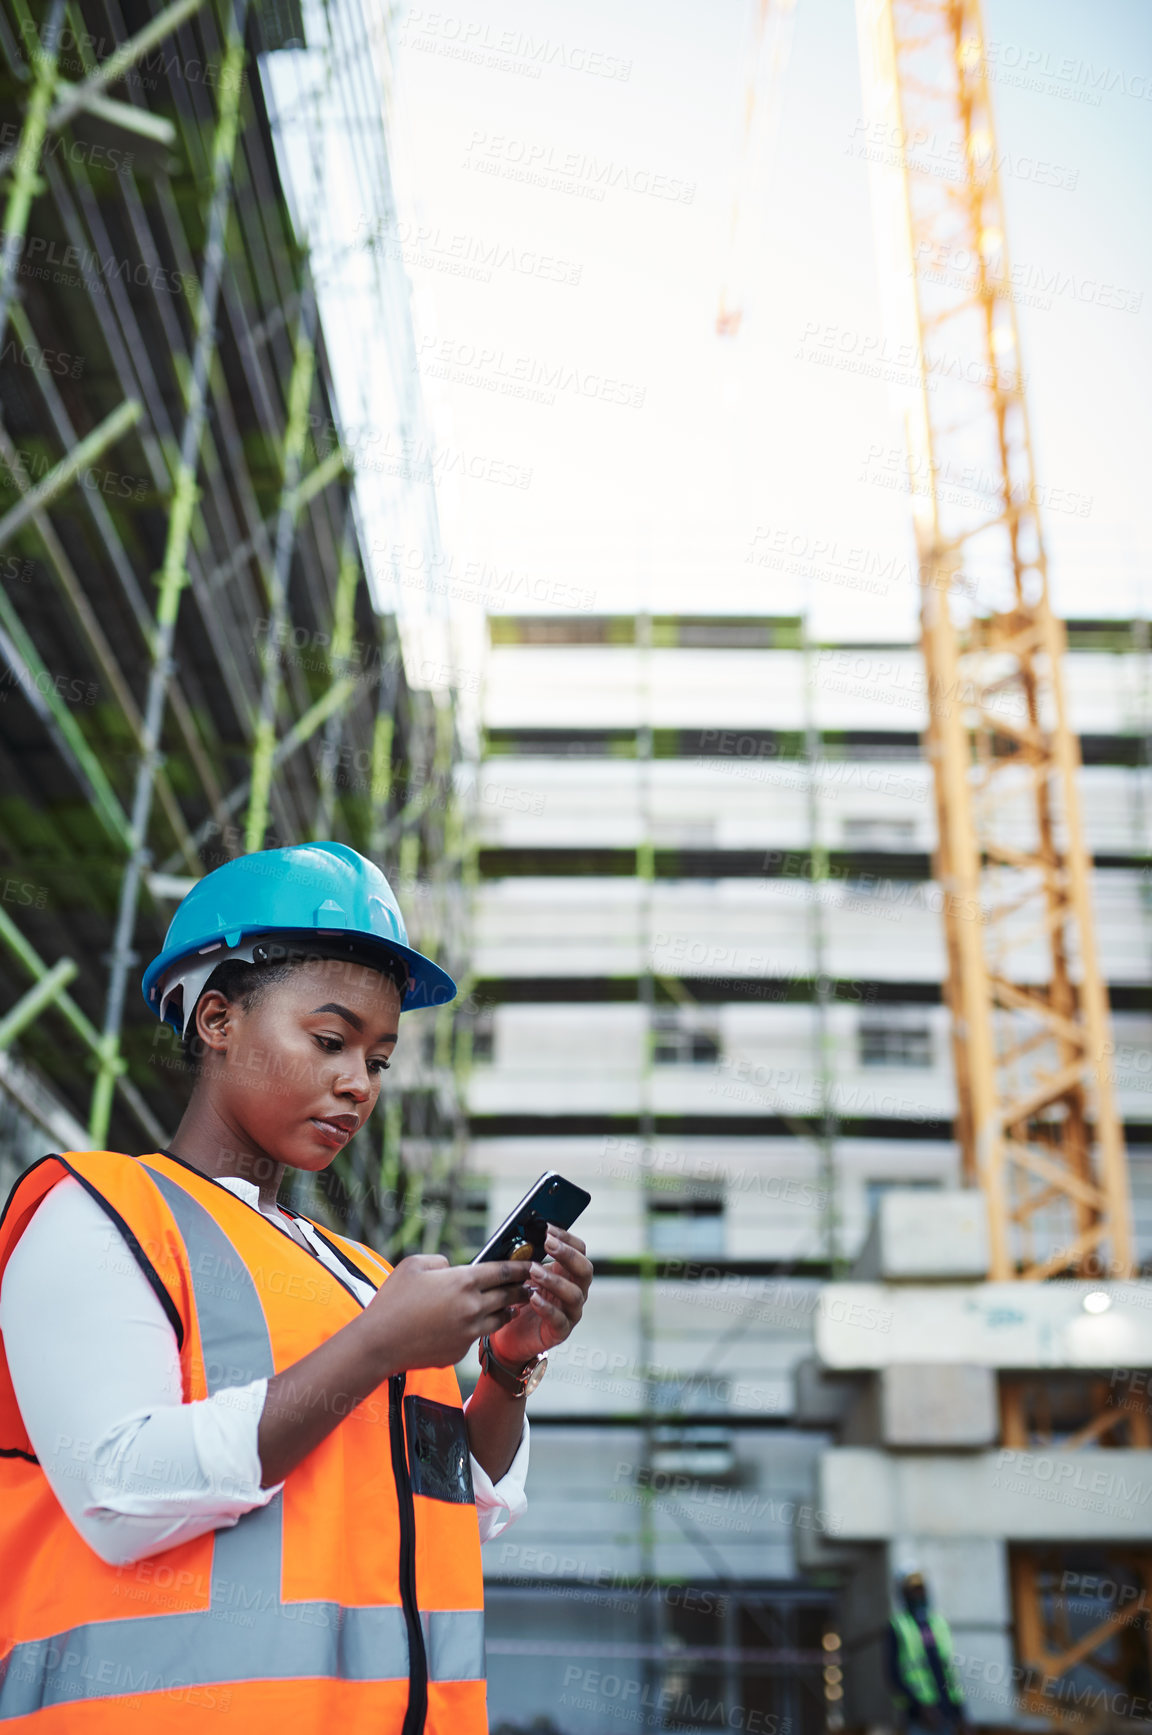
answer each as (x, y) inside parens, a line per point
(213, 1021)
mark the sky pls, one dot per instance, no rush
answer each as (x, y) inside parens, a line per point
(623, 455)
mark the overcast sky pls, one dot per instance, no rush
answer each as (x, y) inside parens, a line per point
(657, 491)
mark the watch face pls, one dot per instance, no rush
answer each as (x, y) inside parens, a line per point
(537, 1374)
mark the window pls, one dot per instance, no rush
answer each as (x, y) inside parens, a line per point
(686, 1224)
(894, 1041)
(483, 1038)
(683, 834)
(704, 1454)
(883, 834)
(680, 1038)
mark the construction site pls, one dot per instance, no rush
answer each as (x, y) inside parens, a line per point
(819, 951)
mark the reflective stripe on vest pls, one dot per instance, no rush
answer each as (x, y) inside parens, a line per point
(291, 1641)
(248, 1629)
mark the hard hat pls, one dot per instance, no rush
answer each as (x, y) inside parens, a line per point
(325, 895)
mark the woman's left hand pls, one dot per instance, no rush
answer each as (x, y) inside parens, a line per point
(559, 1290)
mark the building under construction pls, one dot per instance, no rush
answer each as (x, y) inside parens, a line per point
(714, 973)
(824, 967)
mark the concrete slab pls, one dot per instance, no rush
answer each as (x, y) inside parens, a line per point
(926, 1232)
(1037, 1496)
(996, 1325)
(938, 1405)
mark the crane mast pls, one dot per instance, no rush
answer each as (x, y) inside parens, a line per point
(767, 56)
(1036, 1120)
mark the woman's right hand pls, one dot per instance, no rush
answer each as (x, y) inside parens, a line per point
(428, 1314)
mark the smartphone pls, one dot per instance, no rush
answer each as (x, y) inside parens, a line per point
(521, 1235)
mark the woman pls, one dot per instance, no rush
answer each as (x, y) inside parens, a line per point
(239, 1485)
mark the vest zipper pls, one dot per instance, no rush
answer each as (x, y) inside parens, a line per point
(416, 1714)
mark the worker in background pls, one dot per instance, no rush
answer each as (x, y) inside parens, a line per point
(925, 1686)
(238, 1487)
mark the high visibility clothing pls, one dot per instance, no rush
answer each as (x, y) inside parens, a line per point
(353, 1600)
(912, 1656)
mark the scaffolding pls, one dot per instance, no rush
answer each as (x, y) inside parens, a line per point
(195, 661)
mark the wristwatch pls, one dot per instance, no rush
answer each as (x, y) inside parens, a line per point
(518, 1382)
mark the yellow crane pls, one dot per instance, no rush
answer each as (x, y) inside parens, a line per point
(1036, 1121)
(1036, 1118)
(767, 55)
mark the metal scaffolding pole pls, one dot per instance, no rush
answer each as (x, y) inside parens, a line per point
(110, 71)
(26, 156)
(174, 575)
(44, 114)
(824, 1064)
(300, 732)
(648, 1322)
(114, 548)
(64, 1003)
(63, 474)
(208, 460)
(89, 94)
(129, 355)
(343, 636)
(296, 433)
(38, 687)
(134, 367)
(88, 620)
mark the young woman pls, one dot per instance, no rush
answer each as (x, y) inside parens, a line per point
(238, 1484)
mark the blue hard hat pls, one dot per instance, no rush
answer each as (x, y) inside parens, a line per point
(324, 894)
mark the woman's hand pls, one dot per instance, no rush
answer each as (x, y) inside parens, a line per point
(559, 1289)
(428, 1314)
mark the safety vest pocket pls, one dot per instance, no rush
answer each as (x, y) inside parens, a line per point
(438, 1458)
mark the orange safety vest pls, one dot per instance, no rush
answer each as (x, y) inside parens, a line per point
(353, 1600)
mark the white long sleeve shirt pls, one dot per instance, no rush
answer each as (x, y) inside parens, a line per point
(96, 1372)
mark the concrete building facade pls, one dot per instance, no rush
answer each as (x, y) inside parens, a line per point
(709, 957)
